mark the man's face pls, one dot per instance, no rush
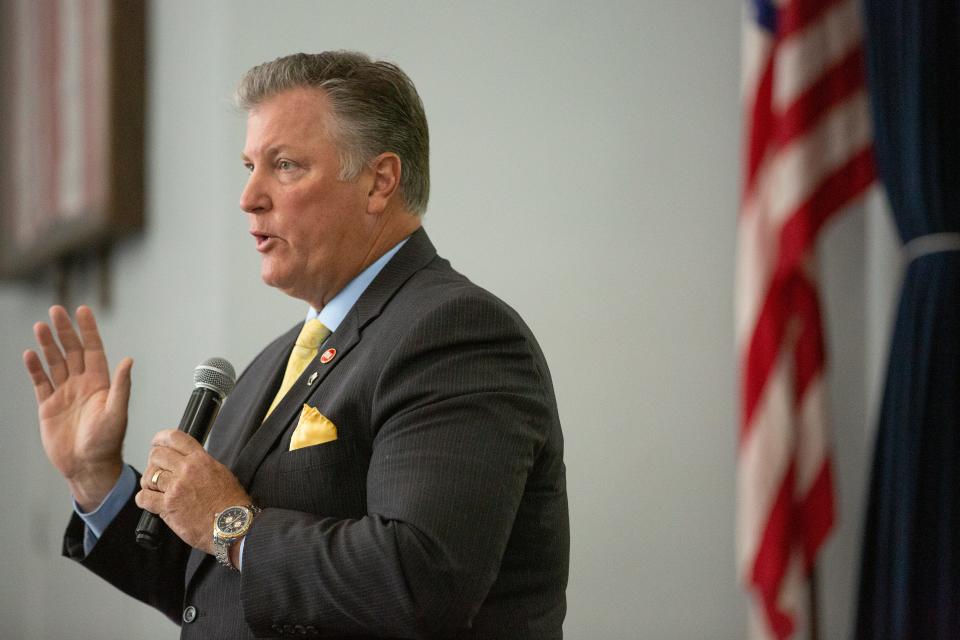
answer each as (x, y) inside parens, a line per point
(310, 228)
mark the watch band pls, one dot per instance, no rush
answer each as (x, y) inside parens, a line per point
(222, 552)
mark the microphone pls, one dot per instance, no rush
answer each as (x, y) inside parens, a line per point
(213, 379)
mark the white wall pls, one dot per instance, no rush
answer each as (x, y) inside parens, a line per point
(585, 168)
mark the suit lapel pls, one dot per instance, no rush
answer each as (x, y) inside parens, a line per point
(264, 376)
(413, 256)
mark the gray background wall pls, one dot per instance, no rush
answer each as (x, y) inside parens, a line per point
(585, 168)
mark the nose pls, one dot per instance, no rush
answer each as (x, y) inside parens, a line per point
(254, 198)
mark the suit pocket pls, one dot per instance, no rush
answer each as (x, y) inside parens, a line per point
(326, 479)
(318, 455)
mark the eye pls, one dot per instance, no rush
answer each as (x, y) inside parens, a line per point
(285, 165)
(248, 166)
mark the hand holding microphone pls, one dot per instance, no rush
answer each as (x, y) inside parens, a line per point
(213, 380)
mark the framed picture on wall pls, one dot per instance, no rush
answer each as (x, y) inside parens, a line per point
(72, 115)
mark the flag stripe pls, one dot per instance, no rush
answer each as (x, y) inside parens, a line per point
(840, 82)
(95, 98)
(812, 445)
(817, 512)
(47, 29)
(762, 126)
(808, 355)
(773, 557)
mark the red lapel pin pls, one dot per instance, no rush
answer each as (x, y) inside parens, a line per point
(328, 355)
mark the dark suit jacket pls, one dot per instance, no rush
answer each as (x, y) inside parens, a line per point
(440, 510)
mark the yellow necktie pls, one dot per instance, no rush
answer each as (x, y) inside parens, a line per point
(304, 350)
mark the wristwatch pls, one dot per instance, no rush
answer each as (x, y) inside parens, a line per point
(230, 525)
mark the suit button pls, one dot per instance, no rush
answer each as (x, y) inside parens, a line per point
(190, 614)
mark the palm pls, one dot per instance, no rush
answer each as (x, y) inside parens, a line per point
(82, 416)
(75, 423)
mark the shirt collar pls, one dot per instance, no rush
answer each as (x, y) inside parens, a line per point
(336, 310)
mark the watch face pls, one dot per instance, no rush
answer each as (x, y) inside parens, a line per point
(233, 520)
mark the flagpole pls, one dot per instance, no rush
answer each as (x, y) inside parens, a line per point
(814, 617)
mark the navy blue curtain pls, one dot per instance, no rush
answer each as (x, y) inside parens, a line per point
(910, 572)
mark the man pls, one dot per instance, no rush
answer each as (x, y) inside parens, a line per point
(408, 482)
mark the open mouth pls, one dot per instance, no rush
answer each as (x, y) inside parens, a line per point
(263, 241)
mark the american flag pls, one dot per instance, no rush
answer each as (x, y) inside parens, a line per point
(59, 98)
(807, 155)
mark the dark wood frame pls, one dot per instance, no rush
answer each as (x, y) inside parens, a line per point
(93, 231)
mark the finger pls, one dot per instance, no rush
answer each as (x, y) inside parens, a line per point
(165, 458)
(146, 480)
(118, 398)
(162, 476)
(69, 340)
(42, 387)
(176, 440)
(152, 501)
(93, 353)
(51, 353)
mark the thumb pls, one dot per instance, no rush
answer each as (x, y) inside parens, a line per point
(119, 395)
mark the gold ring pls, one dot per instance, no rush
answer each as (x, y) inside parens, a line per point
(155, 477)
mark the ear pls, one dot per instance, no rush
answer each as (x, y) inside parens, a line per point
(385, 171)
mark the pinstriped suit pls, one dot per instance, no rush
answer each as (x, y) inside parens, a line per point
(440, 510)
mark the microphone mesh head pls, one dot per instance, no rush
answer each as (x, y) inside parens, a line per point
(215, 374)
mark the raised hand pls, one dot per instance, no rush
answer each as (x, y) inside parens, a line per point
(83, 417)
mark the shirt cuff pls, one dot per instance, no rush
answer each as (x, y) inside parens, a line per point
(100, 518)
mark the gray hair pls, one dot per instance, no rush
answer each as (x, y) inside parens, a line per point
(375, 108)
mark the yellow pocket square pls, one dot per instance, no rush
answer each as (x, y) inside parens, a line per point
(313, 428)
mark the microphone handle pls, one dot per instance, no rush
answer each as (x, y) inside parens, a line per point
(201, 411)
